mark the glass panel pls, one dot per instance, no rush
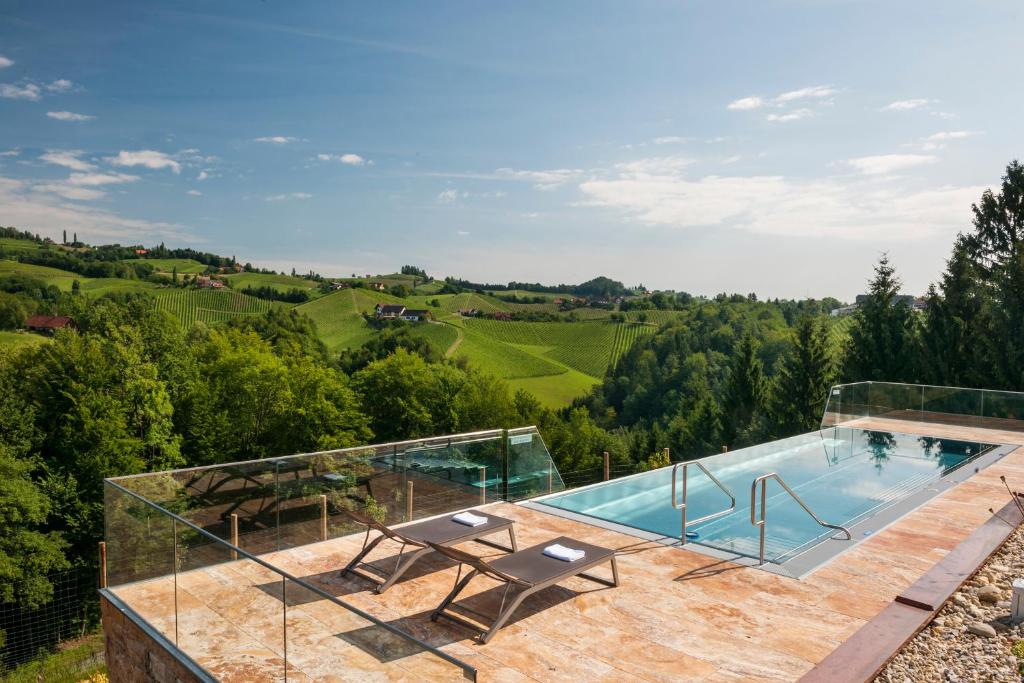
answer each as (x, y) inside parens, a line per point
(895, 401)
(1003, 410)
(140, 557)
(949, 405)
(531, 471)
(326, 641)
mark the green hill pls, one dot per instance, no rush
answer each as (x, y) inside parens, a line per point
(167, 265)
(18, 340)
(63, 279)
(281, 283)
(209, 305)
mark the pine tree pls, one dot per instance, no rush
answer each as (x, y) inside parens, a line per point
(882, 336)
(65, 239)
(745, 391)
(804, 379)
(949, 343)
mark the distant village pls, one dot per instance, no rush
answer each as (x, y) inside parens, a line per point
(915, 303)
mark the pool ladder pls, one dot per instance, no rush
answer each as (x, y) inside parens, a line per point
(681, 504)
(761, 523)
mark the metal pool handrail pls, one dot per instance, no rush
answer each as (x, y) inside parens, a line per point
(681, 505)
(760, 523)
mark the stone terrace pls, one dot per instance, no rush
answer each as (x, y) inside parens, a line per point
(678, 615)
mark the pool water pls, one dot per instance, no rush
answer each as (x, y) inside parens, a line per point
(842, 474)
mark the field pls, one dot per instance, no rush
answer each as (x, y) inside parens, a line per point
(18, 340)
(281, 283)
(12, 246)
(63, 279)
(209, 305)
(167, 265)
(338, 316)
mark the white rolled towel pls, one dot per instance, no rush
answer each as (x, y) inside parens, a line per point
(469, 519)
(560, 552)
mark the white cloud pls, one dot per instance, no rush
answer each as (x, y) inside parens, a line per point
(288, 195)
(776, 205)
(794, 115)
(542, 180)
(29, 91)
(447, 196)
(731, 160)
(745, 103)
(654, 166)
(277, 139)
(889, 163)
(813, 92)
(906, 105)
(147, 158)
(670, 140)
(462, 233)
(67, 159)
(5, 62)
(203, 175)
(350, 159)
(93, 179)
(68, 191)
(60, 85)
(69, 116)
(194, 193)
(32, 207)
(939, 140)
(10, 153)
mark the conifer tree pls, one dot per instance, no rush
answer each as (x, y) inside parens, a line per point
(745, 391)
(881, 341)
(804, 379)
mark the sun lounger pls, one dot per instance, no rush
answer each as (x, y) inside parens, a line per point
(530, 570)
(421, 538)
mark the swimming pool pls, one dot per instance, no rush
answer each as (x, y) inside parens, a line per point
(844, 475)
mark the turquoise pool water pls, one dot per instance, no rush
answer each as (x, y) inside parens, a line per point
(842, 474)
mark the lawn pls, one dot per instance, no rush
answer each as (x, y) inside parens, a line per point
(63, 279)
(77, 660)
(20, 340)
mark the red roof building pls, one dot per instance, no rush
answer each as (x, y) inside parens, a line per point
(49, 323)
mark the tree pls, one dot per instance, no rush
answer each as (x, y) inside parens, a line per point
(950, 347)
(881, 342)
(746, 390)
(999, 223)
(76, 287)
(174, 275)
(64, 241)
(804, 379)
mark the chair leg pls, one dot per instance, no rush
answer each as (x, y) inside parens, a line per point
(505, 614)
(512, 537)
(402, 568)
(459, 586)
(362, 553)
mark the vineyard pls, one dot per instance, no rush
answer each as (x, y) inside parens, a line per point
(588, 347)
(209, 305)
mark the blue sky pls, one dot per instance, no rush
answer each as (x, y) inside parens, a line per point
(774, 147)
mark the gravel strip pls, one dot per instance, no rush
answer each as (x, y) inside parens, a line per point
(971, 637)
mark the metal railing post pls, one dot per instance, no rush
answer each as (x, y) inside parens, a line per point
(681, 505)
(551, 467)
(504, 464)
(483, 485)
(761, 523)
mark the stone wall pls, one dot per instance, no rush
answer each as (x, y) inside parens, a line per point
(133, 655)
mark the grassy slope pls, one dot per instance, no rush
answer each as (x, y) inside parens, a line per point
(338, 316)
(167, 265)
(209, 306)
(63, 279)
(18, 340)
(281, 283)
(13, 246)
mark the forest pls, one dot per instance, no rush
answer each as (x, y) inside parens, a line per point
(132, 391)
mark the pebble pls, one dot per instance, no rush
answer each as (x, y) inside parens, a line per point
(971, 636)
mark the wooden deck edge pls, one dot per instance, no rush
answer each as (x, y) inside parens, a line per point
(862, 656)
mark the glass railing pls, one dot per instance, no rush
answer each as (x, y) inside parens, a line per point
(285, 502)
(955, 406)
(183, 547)
(238, 615)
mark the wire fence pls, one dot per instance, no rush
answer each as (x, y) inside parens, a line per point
(25, 633)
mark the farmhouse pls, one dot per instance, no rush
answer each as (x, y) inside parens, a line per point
(415, 314)
(388, 311)
(379, 286)
(48, 324)
(206, 282)
(335, 286)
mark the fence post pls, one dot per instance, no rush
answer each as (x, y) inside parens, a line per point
(668, 455)
(234, 535)
(483, 485)
(550, 475)
(103, 564)
(725, 448)
(607, 462)
(323, 517)
(408, 501)
(504, 464)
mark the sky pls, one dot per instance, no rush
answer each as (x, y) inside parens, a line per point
(770, 147)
